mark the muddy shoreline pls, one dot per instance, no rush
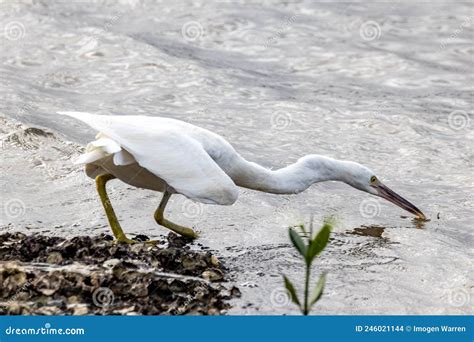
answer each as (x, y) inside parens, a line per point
(94, 275)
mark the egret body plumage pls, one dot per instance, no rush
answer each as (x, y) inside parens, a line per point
(172, 156)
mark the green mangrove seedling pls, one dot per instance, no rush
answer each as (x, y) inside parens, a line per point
(309, 250)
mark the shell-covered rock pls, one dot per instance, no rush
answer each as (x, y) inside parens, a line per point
(94, 275)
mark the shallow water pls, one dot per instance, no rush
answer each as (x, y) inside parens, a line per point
(387, 85)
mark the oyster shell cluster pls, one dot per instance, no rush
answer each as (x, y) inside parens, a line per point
(94, 275)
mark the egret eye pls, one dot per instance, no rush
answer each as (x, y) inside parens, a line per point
(373, 179)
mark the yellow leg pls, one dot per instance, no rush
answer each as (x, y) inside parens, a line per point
(100, 182)
(159, 217)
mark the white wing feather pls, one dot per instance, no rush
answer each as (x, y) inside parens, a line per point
(90, 157)
(108, 145)
(161, 146)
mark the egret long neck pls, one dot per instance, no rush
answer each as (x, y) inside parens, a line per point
(292, 179)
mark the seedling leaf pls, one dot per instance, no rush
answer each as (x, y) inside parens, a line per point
(298, 242)
(291, 290)
(318, 290)
(317, 245)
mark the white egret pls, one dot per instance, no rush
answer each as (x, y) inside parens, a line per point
(173, 156)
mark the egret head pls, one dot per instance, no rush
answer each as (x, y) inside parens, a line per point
(362, 178)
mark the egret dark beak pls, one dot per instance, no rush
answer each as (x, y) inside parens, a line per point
(393, 197)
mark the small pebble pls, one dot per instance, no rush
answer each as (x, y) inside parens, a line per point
(215, 261)
(212, 275)
(54, 258)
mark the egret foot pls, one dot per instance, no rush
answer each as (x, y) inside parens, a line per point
(160, 219)
(100, 182)
(183, 231)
